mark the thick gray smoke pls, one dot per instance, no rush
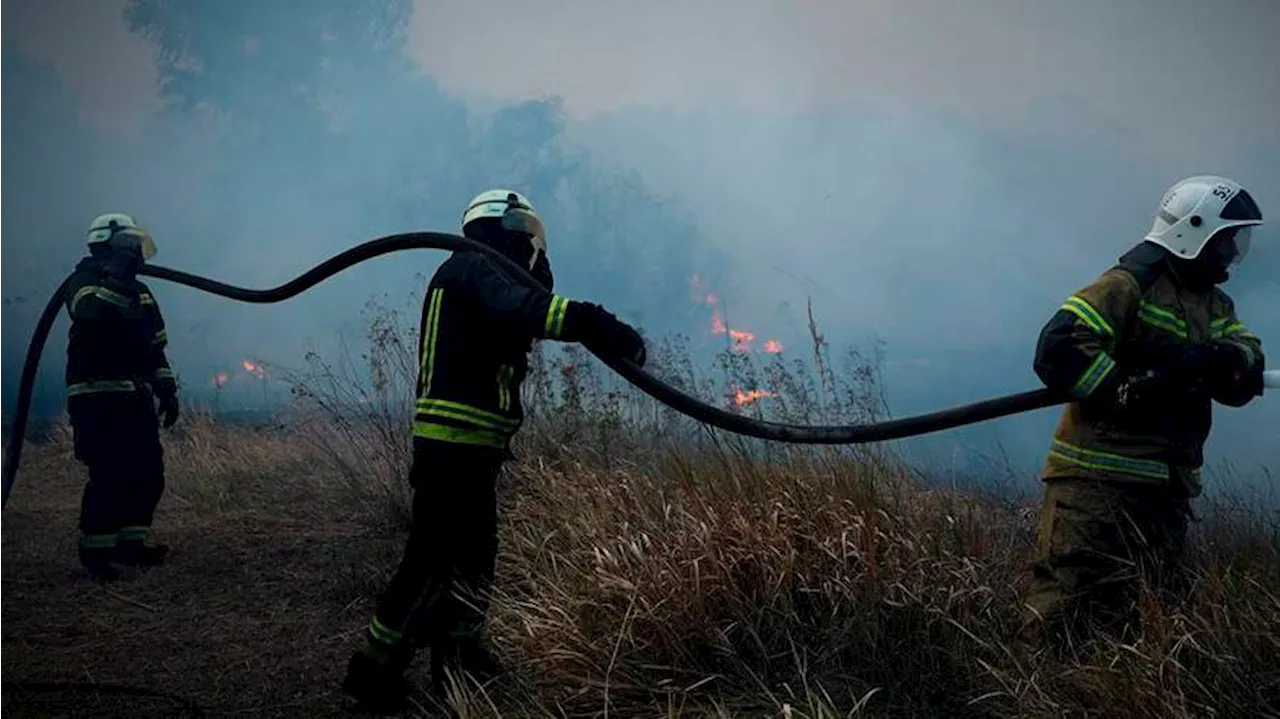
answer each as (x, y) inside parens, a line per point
(935, 177)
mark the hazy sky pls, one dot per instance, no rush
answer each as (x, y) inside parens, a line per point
(940, 174)
(1189, 76)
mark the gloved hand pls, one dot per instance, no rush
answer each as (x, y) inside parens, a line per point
(1228, 369)
(611, 336)
(1212, 359)
(1248, 381)
(1153, 392)
(168, 409)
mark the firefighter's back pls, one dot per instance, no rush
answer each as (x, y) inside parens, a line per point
(472, 363)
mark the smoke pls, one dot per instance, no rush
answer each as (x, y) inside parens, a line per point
(275, 140)
(936, 176)
(939, 175)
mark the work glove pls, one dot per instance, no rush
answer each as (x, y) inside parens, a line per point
(168, 409)
(1212, 359)
(611, 336)
(1140, 389)
(1153, 393)
(1227, 368)
(1248, 380)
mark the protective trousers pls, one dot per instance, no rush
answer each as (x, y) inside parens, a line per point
(439, 594)
(117, 437)
(1096, 540)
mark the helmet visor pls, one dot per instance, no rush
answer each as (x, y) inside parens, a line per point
(1243, 240)
(136, 239)
(516, 219)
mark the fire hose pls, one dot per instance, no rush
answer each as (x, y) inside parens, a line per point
(663, 392)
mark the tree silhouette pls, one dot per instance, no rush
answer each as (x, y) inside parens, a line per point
(257, 55)
(343, 132)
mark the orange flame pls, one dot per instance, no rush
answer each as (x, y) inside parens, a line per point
(718, 326)
(743, 397)
(249, 367)
(741, 339)
(254, 369)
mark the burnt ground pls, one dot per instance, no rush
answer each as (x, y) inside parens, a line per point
(253, 616)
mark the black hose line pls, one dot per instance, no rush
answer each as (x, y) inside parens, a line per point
(659, 390)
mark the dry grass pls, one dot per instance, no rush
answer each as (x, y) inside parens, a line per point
(648, 568)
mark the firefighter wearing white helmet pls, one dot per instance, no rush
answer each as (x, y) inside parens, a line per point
(1143, 352)
(478, 324)
(118, 230)
(1205, 208)
(116, 372)
(494, 213)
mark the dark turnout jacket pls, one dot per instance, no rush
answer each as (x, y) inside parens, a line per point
(478, 325)
(117, 339)
(1139, 314)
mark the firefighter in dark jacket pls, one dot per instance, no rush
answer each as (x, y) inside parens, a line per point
(1143, 351)
(116, 375)
(477, 326)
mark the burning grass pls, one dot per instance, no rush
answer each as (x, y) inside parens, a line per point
(648, 567)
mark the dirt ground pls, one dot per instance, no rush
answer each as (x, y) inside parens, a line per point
(252, 616)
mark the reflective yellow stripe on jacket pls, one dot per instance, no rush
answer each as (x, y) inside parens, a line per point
(555, 317)
(458, 435)
(1163, 319)
(1088, 315)
(101, 386)
(487, 429)
(102, 293)
(1095, 375)
(1103, 364)
(465, 413)
(1107, 461)
(429, 341)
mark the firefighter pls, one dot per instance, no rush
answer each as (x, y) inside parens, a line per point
(477, 327)
(1143, 352)
(118, 382)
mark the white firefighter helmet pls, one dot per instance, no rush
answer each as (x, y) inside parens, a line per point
(516, 213)
(1197, 208)
(119, 228)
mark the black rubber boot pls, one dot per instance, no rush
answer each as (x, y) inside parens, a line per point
(377, 686)
(459, 657)
(140, 554)
(476, 659)
(97, 562)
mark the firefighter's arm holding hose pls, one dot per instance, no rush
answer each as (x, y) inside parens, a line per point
(162, 379)
(1235, 373)
(545, 315)
(1074, 355)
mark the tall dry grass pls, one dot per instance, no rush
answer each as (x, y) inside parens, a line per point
(651, 566)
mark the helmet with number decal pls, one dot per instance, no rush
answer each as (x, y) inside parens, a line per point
(1199, 208)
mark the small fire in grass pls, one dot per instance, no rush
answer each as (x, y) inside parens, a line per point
(248, 368)
(747, 396)
(740, 340)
